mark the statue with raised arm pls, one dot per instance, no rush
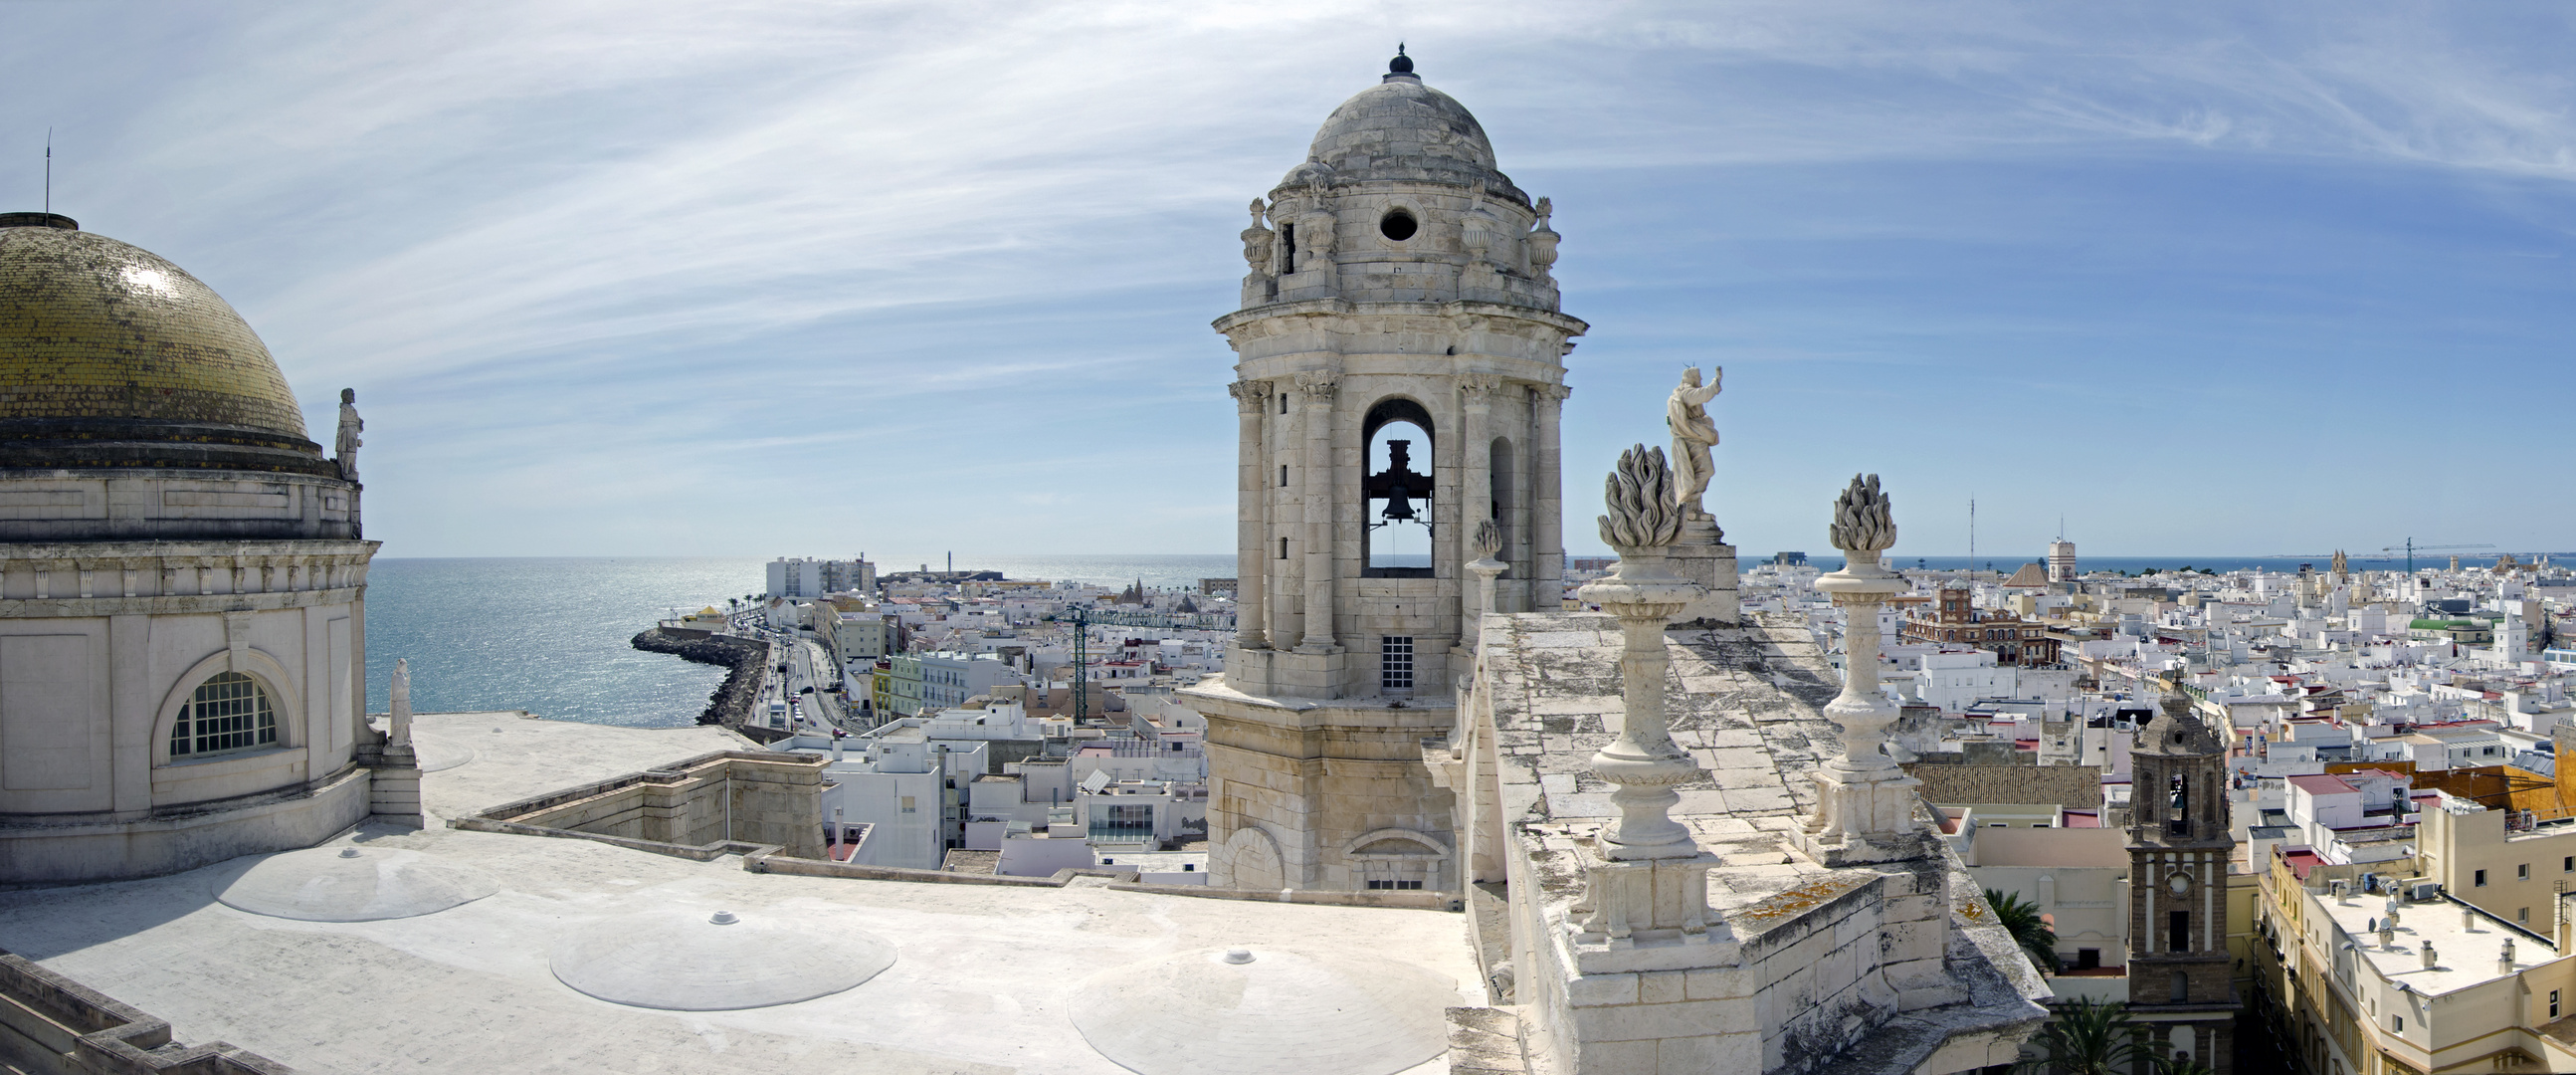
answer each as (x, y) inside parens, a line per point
(350, 425)
(1693, 435)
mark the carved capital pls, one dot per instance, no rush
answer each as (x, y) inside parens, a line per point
(1249, 395)
(1550, 393)
(1319, 387)
(1479, 389)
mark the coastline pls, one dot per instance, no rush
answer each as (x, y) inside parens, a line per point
(748, 658)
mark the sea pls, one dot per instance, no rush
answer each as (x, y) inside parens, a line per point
(550, 635)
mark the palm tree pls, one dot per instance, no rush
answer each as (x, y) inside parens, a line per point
(2021, 918)
(2085, 1038)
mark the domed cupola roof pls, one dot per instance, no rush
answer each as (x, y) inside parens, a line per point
(112, 356)
(2176, 729)
(1402, 129)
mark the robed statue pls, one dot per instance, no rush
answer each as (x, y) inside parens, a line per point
(350, 425)
(1693, 435)
(399, 720)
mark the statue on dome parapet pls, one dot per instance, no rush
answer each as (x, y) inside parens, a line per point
(350, 425)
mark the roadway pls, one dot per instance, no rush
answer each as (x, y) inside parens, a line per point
(806, 665)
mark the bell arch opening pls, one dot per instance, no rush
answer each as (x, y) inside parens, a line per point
(1396, 491)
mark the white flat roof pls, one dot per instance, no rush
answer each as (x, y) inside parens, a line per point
(982, 978)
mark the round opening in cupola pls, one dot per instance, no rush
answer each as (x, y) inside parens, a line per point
(1397, 225)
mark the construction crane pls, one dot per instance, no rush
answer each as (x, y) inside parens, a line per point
(2411, 548)
(1083, 619)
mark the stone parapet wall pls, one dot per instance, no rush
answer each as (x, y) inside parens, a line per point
(728, 797)
(52, 1025)
(1803, 966)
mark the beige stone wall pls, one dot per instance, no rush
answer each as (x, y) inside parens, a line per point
(1311, 783)
(734, 796)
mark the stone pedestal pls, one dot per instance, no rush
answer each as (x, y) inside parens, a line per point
(1710, 564)
(1651, 979)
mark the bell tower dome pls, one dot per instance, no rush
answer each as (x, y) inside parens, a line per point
(1399, 360)
(1399, 333)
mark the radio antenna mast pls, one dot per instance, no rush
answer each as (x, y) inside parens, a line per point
(1972, 537)
(49, 171)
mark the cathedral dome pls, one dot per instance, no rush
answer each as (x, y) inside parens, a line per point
(112, 356)
(1402, 129)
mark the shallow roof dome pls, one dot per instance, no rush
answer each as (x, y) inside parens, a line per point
(1402, 129)
(349, 884)
(678, 959)
(1265, 1012)
(107, 348)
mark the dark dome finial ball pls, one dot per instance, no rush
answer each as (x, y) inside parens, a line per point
(1401, 64)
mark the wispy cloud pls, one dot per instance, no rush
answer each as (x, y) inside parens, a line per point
(595, 267)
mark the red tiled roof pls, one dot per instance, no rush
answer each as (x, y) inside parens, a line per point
(2324, 784)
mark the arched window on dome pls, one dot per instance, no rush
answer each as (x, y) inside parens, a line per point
(229, 712)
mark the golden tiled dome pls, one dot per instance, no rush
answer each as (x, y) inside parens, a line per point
(101, 341)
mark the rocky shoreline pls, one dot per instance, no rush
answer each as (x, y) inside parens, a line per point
(731, 705)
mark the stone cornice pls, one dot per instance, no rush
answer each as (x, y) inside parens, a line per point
(177, 605)
(1460, 308)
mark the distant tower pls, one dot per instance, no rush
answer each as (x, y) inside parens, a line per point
(2341, 567)
(2179, 845)
(1399, 350)
(2061, 561)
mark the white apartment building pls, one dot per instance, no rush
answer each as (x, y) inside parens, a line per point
(802, 577)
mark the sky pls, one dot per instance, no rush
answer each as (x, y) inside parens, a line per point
(765, 278)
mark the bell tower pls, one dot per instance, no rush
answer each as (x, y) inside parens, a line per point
(1399, 359)
(2179, 846)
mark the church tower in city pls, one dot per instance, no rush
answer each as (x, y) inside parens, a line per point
(2179, 844)
(1399, 359)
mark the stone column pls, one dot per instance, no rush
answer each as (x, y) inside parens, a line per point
(1488, 544)
(1319, 390)
(1547, 493)
(1864, 802)
(1476, 476)
(1643, 764)
(1252, 525)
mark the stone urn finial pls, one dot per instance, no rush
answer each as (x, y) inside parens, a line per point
(1643, 764)
(1864, 801)
(1639, 494)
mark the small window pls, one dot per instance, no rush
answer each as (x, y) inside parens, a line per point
(1283, 475)
(1407, 886)
(907, 805)
(2522, 915)
(2181, 987)
(2522, 872)
(2553, 1004)
(228, 712)
(1395, 664)
(1283, 548)
(2178, 931)
(2479, 880)
(1397, 225)
(2397, 1023)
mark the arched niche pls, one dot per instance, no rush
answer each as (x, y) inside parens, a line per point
(1396, 491)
